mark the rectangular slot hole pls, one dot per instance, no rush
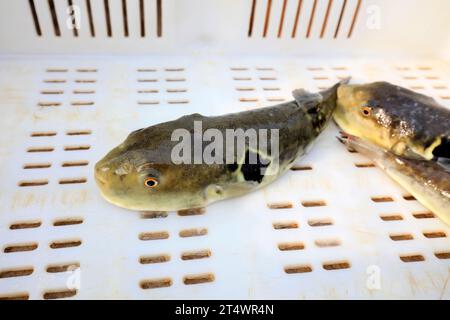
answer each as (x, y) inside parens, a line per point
(313, 203)
(21, 247)
(391, 217)
(401, 237)
(194, 255)
(199, 278)
(159, 235)
(33, 183)
(86, 70)
(147, 80)
(77, 147)
(52, 92)
(146, 70)
(37, 26)
(339, 265)
(271, 89)
(248, 99)
(68, 164)
(154, 214)
(57, 268)
(42, 165)
(355, 16)
(51, 295)
(148, 91)
(156, 283)
(175, 79)
(267, 78)
(72, 19)
(51, 5)
(56, 70)
(382, 199)
(78, 132)
(43, 134)
(176, 90)
(341, 15)
(67, 222)
(174, 69)
(245, 89)
(142, 17)
(440, 87)
(108, 18)
(242, 78)
(125, 18)
(291, 246)
(283, 12)
(154, 259)
(77, 91)
(297, 16)
(298, 269)
(301, 168)
(40, 149)
(434, 234)
(267, 18)
(49, 104)
(423, 215)
(409, 197)
(65, 244)
(54, 81)
(311, 19)
(279, 205)
(91, 20)
(177, 101)
(442, 255)
(25, 225)
(82, 103)
(85, 81)
(320, 222)
(12, 273)
(252, 18)
(365, 165)
(72, 180)
(412, 258)
(15, 296)
(324, 243)
(285, 225)
(143, 103)
(275, 99)
(196, 232)
(191, 212)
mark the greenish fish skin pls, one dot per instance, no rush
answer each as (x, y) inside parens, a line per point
(120, 175)
(426, 180)
(407, 123)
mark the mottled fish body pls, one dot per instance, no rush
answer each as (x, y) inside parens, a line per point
(139, 174)
(407, 123)
(426, 180)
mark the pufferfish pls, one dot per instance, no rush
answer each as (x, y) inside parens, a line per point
(407, 123)
(140, 174)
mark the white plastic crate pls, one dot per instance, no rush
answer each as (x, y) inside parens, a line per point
(342, 229)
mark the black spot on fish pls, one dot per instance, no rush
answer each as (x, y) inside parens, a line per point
(443, 150)
(232, 167)
(253, 171)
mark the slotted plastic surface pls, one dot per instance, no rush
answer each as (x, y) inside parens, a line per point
(320, 231)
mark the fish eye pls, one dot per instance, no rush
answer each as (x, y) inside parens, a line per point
(151, 182)
(366, 111)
